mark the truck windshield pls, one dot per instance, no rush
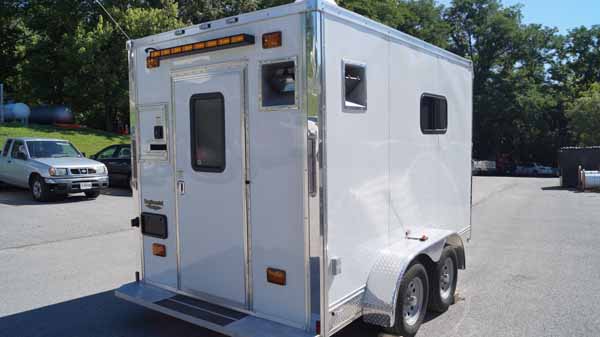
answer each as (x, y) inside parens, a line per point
(51, 149)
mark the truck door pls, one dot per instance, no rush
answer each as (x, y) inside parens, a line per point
(211, 184)
(4, 158)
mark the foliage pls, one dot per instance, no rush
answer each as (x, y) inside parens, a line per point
(87, 140)
(527, 78)
(584, 114)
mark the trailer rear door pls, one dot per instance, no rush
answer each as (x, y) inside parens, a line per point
(211, 185)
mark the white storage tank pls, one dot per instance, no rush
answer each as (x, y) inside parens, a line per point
(16, 111)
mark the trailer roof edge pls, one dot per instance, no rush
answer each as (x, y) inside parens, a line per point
(301, 7)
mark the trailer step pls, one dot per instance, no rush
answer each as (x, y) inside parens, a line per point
(214, 317)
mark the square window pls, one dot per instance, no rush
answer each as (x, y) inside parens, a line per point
(355, 86)
(278, 87)
(434, 114)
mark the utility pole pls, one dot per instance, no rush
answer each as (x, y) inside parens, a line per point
(1, 103)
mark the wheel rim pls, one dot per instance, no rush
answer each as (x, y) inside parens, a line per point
(413, 302)
(37, 189)
(447, 278)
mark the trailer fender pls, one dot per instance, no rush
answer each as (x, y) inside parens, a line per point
(381, 293)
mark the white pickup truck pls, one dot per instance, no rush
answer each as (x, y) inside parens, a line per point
(50, 168)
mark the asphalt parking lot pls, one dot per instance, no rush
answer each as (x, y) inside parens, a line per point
(532, 267)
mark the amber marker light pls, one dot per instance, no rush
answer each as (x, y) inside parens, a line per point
(276, 276)
(159, 250)
(271, 40)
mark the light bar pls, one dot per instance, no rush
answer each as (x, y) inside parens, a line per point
(153, 60)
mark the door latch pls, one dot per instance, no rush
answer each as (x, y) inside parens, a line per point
(181, 187)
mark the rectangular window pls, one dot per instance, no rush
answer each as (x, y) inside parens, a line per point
(278, 88)
(18, 145)
(355, 86)
(434, 114)
(6, 147)
(207, 119)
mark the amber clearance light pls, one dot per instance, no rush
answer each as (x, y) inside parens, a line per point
(159, 250)
(153, 60)
(276, 276)
(271, 40)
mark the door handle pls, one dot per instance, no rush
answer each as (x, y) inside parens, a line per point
(181, 187)
(312, 165)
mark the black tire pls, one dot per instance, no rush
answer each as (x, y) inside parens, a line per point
(92, 194)
(39, 189)
(409, 321)
(443, 281)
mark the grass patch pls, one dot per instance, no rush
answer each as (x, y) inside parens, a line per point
(89, 141)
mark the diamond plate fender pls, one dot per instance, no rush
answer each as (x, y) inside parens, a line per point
(381, 294)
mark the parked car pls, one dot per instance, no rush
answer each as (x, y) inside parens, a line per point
(483, 167)
(50, 167)
(117, 159)
(534, 170)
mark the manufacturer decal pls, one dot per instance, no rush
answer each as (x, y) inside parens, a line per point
(154, 204)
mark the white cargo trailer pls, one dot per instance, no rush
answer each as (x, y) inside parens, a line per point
(298, 168)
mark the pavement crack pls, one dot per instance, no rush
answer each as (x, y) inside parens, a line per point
(65, 240)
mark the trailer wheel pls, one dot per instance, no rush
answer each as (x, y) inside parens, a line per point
(411, 308)
(443, 281)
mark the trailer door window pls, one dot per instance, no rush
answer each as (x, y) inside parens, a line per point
(434, 114)
(207, 117)
(355, 86)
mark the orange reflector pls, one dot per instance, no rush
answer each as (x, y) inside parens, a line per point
(211, 43)
(155, 54)
(159, 250)
(276, 276)
(165, 52)
(187, 47)
(271, 40)
(175, 50)
(152, 62)
(199, 45)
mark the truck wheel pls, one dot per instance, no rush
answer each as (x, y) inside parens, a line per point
(39, 189)
(92, 194)
(443, 282)
(412, 302)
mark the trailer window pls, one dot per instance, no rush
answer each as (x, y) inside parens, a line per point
(278, 87)
(355, 86)
(434, 114)
(208, 132)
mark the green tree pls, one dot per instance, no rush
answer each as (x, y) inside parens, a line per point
(584, 114)
(99, 88)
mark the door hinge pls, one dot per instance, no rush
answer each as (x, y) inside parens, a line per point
(135, 222)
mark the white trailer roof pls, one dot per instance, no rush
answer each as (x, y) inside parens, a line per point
(324, 6)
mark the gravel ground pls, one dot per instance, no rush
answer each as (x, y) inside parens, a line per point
(532, 267)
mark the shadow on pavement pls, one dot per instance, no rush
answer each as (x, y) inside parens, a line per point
(118, 192)
(97, 315)
(14, 196)
(567, 189)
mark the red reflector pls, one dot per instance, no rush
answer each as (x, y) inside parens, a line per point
(276, 276)
(271, 40)
(318, 327)
(159, 250)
